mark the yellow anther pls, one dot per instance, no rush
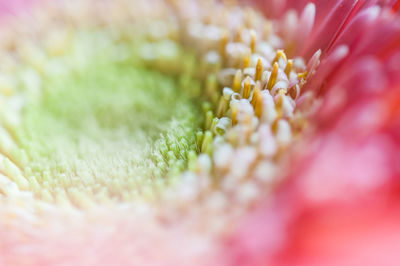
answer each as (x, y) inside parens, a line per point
(259, 70)
(273, 76)
(247, 88)
(246, 61)
(257, 100)
(237, 80)
(289, 67)
(279, 102)
(302, 75)
(234, 116)
(274, 126)
(280, 54)
(253, 41)
(255, 92)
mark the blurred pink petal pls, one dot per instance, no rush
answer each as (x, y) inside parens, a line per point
(14, 6)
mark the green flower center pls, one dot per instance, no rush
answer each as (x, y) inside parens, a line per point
(109, 129)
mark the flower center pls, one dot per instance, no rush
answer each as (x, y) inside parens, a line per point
(108, 129)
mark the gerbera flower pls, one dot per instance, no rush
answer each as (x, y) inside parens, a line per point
(200, 133)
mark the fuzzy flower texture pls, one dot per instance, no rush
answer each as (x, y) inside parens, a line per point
(200, 132)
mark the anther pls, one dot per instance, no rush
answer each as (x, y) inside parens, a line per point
(234, 115)
(259, 70)
(279, 102)
(273, 76)
(302, 75)
(237, 80)
(289, 67)
(246, 61)
(253, 40)
(247, 88)
(280, 54)
(257, 100)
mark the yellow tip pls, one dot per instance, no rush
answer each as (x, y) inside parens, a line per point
(289, 67)
(279, 102)
(302, 75)
(246, 61)
(273, 77)
(247, 88)
(253, 42)
(257, 100)
(237, 80)
(280, 54)
(234, 116)
(259, 70)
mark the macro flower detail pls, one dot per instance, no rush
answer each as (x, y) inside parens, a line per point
(167, 132)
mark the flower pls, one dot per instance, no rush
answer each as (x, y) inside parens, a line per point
(200, 133)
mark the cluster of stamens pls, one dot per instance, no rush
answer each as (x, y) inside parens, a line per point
(250, 114)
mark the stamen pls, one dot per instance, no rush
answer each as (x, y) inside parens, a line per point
(257, 100)
(289, 67)
(280, 54)
(253, 41)
(273, 76)
(246, 61)
(234, 115)
(247, 88)
(279, 102)
(302, 75)
(259, 70)
(237, 81)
